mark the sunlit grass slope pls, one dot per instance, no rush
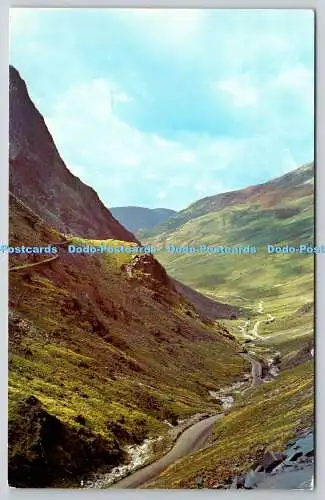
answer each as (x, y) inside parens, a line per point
(100, 350)
(268, 417)
(280, 212)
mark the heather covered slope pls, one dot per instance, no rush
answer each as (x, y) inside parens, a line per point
(112, 357)
(140, 218)
(39, 177)
(278, 212)
(208, 307)
(273, 198)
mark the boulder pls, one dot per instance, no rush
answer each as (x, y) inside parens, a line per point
(270, 460)
(45, 452)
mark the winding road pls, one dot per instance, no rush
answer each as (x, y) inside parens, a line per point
(256, 369)
(192, 439)
(28, 266)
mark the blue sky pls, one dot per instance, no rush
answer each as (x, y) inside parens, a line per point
(159, 108)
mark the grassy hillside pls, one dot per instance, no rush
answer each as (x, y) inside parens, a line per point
(295, 184)
(277, 291)
(279, 212)
(113, 355)
(108, 354)
(267, 418)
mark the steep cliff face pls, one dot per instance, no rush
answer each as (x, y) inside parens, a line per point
(39, 177)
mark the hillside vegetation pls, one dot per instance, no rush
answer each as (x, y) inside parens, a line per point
(276, 290)
(267, 418)
(275, 193)
(112, 357)
(107, 350)
(278, 212)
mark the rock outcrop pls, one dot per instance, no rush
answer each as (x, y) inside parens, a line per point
(295, 359)
(42, 449)
(266, 472)
(147, 264)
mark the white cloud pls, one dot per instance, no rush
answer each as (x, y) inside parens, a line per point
(259, 75)
(108, 153)
(160, 141)
(130, 161)
(240, 89)
(280, 106)
(297, 79)
(176, 30)
(114, 157)
(288, 162)
(84, 123)
(151, 176)
(161, 195)
(178, 181)
(77, 170)
(205, 187)
(186, 157)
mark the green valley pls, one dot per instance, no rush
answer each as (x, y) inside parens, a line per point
(176, 364)
(277, 212)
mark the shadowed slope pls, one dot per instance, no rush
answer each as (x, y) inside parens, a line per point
(101, 350)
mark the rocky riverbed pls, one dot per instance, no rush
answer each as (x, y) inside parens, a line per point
(140, 455)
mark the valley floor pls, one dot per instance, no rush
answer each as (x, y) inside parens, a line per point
(200, 436)
(135, 358)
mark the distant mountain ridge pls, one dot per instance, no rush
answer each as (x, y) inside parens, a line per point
(297, 183)
(140, 218)
(40, 178)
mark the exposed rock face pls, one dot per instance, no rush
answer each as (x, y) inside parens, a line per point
(149, 265)
(42, 449)
(305, 308)
(147, 271)
(157, 277)
(39, 177)
(296, 359)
